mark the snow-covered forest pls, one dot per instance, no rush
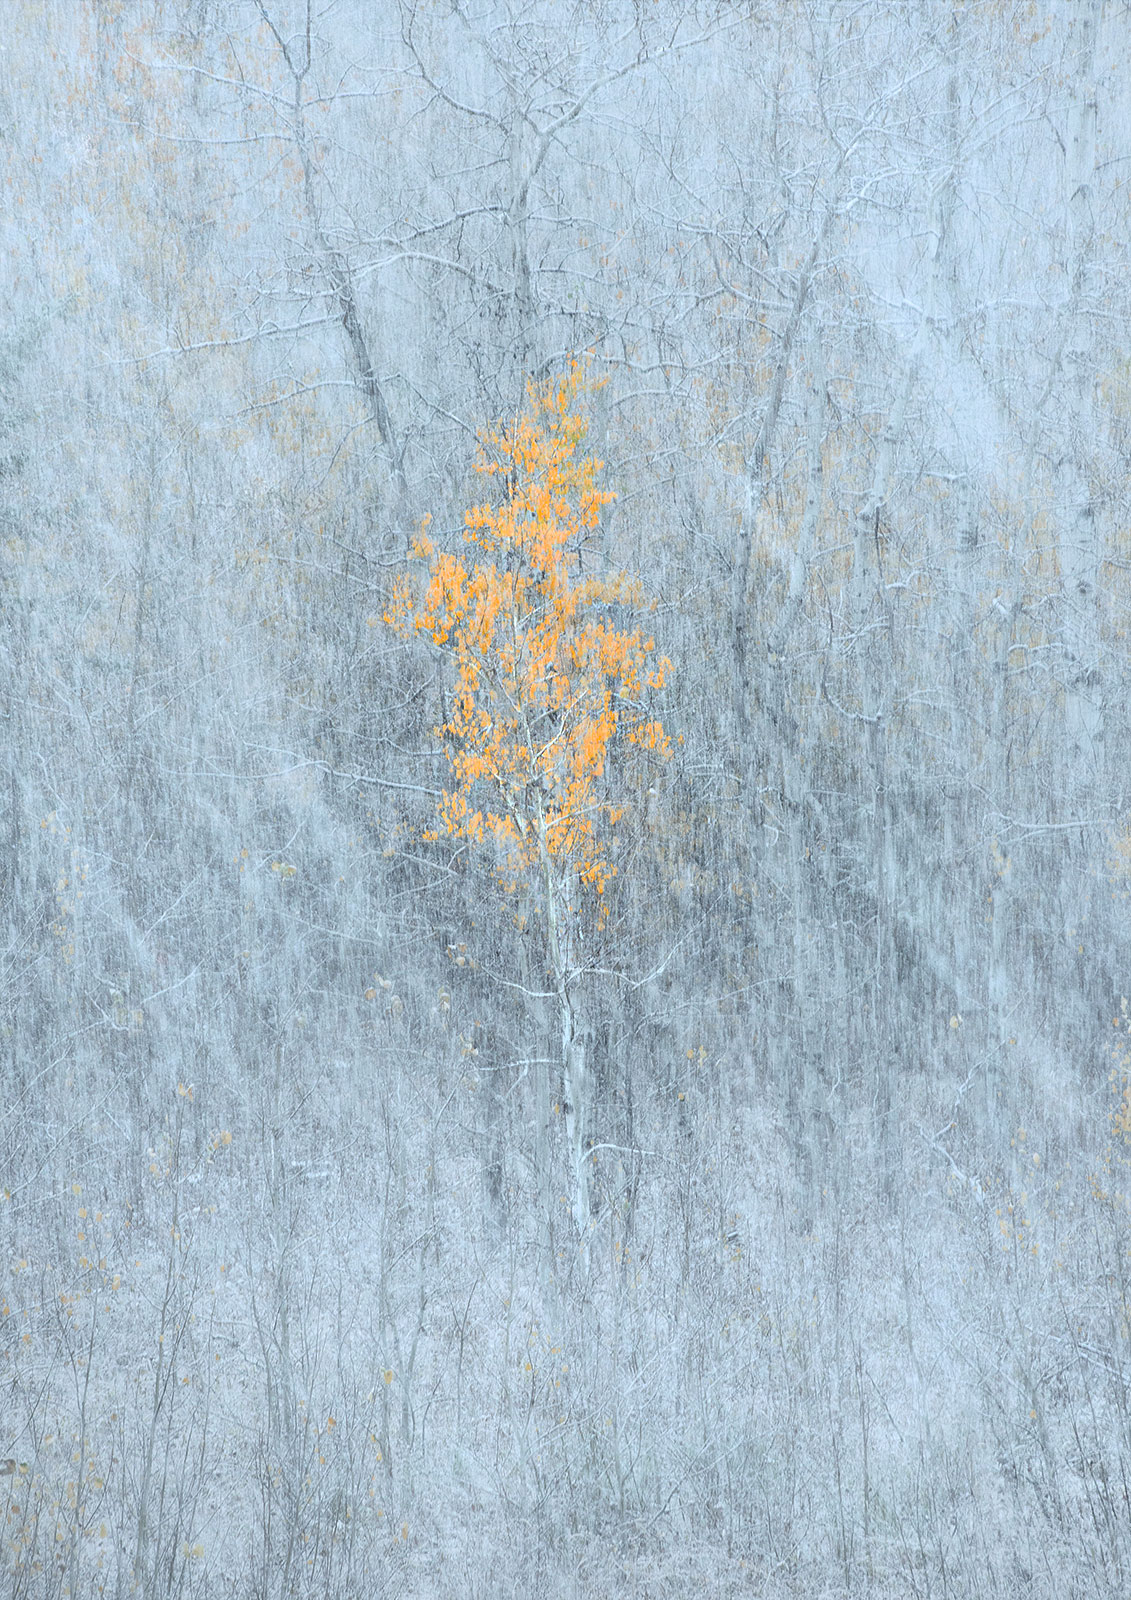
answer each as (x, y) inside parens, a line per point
(565, 798)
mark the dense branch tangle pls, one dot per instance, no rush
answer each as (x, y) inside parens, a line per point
(546, 688)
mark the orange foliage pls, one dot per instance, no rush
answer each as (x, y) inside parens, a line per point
(545, 683)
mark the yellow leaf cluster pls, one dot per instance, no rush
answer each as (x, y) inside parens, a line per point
(545, 681)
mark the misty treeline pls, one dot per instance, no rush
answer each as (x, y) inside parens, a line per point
(295, 1296)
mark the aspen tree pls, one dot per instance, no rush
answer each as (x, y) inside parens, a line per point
(547, 692)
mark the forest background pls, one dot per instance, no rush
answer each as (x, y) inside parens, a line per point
(760, 1228)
